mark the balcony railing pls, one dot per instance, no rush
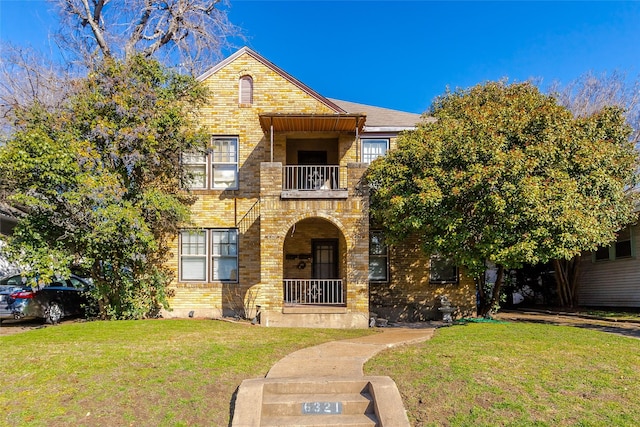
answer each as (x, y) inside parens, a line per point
(313, 291)
(312, 178)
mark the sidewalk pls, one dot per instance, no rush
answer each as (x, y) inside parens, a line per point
(344, 358)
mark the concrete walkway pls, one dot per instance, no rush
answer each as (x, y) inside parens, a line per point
(345, 358)
(329, 372)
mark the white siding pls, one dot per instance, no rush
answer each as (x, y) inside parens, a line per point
(611, 283)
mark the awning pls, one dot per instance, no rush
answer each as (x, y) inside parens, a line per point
(293, 122)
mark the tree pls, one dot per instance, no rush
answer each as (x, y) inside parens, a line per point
(100, 181)
(585, 96)
(591, 92)
(505, 174)
(27, 78)
(187, 33)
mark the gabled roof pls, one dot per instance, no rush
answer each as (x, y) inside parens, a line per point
(381, 119)
(347, 117)
(274, 68)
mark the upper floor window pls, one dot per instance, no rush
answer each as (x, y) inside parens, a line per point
(621, 248)
(224, 162)
(195, 165)
(378, 257)
(216, 168)
(373, 148)
(442, 270)
(246, 90)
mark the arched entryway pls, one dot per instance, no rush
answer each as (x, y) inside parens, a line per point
(314, 264)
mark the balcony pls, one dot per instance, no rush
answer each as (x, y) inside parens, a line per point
(322, 181)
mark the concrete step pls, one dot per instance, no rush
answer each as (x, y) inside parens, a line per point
(319, 386)
(297, 403)
(292, 404)
(320, 421)
(365, 401)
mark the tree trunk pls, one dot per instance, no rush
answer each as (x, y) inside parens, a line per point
(489, 300)
(566, 275)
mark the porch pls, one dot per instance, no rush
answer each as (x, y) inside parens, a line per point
(313, 292)
(314, 249)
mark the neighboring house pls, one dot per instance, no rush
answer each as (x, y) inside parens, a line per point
(610, 276)
(281, 223)
(8, 221)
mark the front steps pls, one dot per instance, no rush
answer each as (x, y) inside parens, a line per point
(363, 402)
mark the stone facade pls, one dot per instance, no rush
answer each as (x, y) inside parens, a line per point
(279, 232)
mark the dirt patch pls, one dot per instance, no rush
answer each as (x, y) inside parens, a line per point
(10, 327)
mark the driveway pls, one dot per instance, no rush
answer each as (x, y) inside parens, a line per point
(625, 328)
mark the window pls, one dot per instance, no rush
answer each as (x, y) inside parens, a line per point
(373, 148)
(224, 163)
(378, 258)
(209, 255)
(225, 255)
(246, 90)
(195, 165)
(216, 168)
(623, 244)
(601, 253)
(442, 270)
(620, 249)
(193, 256)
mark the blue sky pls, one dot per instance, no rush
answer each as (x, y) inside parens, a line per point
(401, 54)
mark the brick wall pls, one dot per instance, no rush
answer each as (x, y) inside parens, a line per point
(265, 221)
(262, 235)
(410, 297)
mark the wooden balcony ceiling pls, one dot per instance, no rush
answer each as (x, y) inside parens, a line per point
(288, 122)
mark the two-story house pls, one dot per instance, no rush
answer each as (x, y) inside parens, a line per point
(281, 224)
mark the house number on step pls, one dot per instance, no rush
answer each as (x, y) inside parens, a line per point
(315, 408)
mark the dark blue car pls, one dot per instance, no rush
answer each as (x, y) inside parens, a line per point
(49, 301)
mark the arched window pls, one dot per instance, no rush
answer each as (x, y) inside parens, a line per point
(246, 90)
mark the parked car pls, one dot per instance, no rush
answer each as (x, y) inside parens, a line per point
(49, 301)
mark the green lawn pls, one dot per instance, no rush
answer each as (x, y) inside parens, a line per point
(138, 373)
(517, 374)
(185, 373)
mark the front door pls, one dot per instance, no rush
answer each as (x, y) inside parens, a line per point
(325, 258)
(312, 157)
(313, 172)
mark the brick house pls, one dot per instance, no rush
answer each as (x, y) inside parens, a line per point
(281, 223)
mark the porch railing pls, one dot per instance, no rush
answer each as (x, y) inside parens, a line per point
(312, 178)
(313, 291)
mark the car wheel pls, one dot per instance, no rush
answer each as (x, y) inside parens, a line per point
(53, 313)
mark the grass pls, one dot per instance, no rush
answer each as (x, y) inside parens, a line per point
(614, 315)
(517, 374)
(140, 373)
(185, 373)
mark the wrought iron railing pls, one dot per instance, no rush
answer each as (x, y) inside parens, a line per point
(312, 178)
(313, 291)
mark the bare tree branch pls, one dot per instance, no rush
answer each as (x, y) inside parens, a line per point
(187, 33)
(590, 93)
(27, 78)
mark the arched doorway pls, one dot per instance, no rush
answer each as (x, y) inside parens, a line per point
(314, 264)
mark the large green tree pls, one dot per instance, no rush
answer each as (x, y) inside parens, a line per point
(502, 173)
(99, 179)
